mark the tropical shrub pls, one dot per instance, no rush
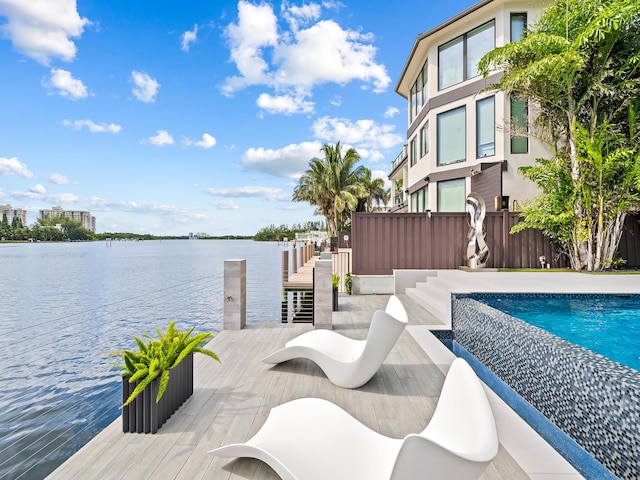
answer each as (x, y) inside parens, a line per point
(157, 357)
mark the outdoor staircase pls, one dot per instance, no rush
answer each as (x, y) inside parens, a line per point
(434, 294)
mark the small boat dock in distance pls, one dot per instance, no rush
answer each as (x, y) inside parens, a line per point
(297, 287)
(301, 276)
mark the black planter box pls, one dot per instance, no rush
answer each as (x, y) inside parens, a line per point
(335, 301)
(143, 414)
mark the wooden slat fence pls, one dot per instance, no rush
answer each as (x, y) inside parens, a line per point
(383, 242)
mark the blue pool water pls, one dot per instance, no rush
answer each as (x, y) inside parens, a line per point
(605, 324)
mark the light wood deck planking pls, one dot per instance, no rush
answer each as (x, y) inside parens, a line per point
(231, 401)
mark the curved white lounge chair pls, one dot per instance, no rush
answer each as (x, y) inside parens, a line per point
(349, 363)
(313, 439)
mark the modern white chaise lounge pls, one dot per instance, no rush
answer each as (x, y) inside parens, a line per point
(313, 439)
(346, 362)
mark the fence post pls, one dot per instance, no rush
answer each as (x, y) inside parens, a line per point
(322, 294)
(235, 294)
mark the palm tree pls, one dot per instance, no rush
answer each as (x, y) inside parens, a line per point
(374, 193)
(332, 185)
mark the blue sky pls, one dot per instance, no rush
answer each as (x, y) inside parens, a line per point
(169, 117)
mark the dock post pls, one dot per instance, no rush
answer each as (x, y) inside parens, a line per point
(322, 295)
(235, 294)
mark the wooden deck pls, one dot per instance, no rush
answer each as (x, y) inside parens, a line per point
(232, 399)
(303, 278)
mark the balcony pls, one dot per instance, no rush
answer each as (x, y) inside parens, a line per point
(400, 160)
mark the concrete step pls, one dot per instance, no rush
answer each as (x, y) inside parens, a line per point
(433, 301)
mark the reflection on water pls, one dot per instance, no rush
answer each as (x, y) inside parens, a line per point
(64, 306)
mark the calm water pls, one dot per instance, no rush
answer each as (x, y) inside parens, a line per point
(64, 306)
(605, 324)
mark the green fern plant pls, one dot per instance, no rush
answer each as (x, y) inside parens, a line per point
(157, 357)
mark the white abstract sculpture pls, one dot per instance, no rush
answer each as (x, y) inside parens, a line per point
(477, 249)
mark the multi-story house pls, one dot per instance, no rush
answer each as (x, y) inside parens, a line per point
(11, 213)
(461, 139)
(86, 220)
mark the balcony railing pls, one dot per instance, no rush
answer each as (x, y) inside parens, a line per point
(402, 157)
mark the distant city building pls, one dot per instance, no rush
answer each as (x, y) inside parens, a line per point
(86, 220)
(195, 236)
(12, 213)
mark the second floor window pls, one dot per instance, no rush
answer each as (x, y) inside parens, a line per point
(413, 153)
(458, 59)
(519, 114)
(424, 140)
(452, 137)
(485, 128)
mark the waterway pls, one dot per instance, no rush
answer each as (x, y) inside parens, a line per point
(65, 306)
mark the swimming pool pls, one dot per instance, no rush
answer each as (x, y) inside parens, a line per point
(592, 399)
(605, 324)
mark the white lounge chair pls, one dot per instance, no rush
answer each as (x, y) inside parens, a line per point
(313, 439)
(348, 363)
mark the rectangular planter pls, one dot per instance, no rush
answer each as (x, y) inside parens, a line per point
(143, 414)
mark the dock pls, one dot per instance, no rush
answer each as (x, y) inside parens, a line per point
(232, 399)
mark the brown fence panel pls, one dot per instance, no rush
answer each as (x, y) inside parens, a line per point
(629, 248)
(383, 242)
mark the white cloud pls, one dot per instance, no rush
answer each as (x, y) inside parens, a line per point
(326, 53)
(189, 37)
(56, 199)
(2, 195)
(145, 88)
(296, 60)
(92, 126)
(12, 166)
(391, 112)
(59, 179)
(161, 139)
(288, 162)
(383, 175)
(300, 15)
(362, 133)
(226, 205)
(336, 100)
(43, 29)
(207, 141)
(67, 86)
(284, 104)
(39, 188)
(250, 191)
(256, 29)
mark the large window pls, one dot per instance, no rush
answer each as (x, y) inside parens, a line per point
(424, 140)
(413, 152)
(519, 114)
(485, 128)
(479, 41)
(419, 93)
(458, 59)
(452, 138)
(420, 200)
(451, 196)
(518, 26)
